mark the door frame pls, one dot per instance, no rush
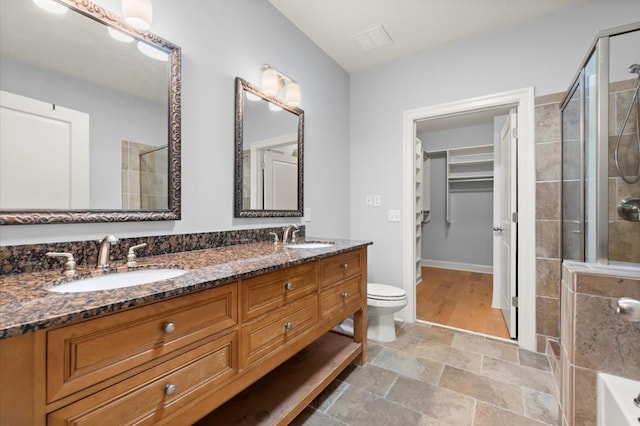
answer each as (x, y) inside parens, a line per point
(523, 99)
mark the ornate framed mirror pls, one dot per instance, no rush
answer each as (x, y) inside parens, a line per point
(269, 155)
(90, 117)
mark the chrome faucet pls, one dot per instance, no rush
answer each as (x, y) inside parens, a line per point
(288, 229)
(104, 252)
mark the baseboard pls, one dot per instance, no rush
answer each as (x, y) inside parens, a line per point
(470, 267)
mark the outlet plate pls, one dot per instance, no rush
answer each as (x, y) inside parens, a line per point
(394, 215)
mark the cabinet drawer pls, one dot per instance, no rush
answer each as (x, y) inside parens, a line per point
(149, 397)
(83, 354)
(265, 293)
(341, 300)
(273, 331)
(339, 267)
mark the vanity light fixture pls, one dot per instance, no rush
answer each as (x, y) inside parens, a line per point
(273, 80)
(138, 13)
(52, 6)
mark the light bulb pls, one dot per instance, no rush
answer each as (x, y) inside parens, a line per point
(293, 94)
(270, 82)
(274, 107)
(138, 13)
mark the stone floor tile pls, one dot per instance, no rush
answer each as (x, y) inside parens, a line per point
(498, 393)
(534, 359)
(373, 349)
(356, 407)
(508, 372)
(409, 365)
(311, 417)
(490, 347)
(328, 396)
(540, 406)
(489, 415)
(405, 344)
(454, 357)
(371, 378)
(432, 334)
(440, 405)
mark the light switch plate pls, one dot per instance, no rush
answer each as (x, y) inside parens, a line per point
(307, 214)
(369, 201)
(377, 200)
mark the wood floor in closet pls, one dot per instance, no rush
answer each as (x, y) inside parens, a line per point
(459, 299)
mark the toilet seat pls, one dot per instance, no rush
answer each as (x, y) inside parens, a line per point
(385, 292)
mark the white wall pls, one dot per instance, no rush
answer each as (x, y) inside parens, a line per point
(544, 53)
(466, 238)
(221, 40)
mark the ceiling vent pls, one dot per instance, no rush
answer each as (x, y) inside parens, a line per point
(374, 38)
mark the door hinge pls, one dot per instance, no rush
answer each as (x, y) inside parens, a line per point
(514, 301)
(514, 217)
(514, 133)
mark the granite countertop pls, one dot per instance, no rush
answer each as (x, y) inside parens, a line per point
(26, 305)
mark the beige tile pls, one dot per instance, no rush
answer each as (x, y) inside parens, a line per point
(623, 102)
(604, 340)
(624, 243)
(548, 316)
(373, 349)
(540, 406)
(432, 334)
(547, 123)
(585, 402)
(548, 161)
(356, 407)
(488, 415)
(548, 277)
(402, 363)
(534, 360)
(329, 395)
(311, 417)
(486, 389)
(547, 239)
(548, 200)
(371, 378)
(508, 372)
(493, 348)
(125, 155)
(404, 344)
(567, 320)
(608, 286)
(553, 98)
(439, 404)
(464, 360)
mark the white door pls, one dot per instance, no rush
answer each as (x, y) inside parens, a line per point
(44, 155)
(280, 181)
(507, 230)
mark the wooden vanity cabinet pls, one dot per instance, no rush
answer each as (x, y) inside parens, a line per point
(177, 360)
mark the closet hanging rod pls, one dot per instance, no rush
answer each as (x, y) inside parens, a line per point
(438, 152)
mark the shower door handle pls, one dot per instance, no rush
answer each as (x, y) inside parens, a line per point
(629, 209)
(497, 229)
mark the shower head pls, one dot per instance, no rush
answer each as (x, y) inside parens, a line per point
(634, 69)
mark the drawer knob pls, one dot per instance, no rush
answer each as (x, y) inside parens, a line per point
(169, 327)
(288, 325)
(169, 389)
(288, 286)
(345, 266)
(345, 295)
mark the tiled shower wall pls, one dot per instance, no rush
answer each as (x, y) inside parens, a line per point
(624, 236)
(548, 181)
(145, 181)
(594, 337)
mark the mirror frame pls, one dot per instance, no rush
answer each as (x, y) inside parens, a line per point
(173, 212)
(243, 86)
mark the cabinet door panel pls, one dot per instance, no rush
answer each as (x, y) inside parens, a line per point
(340, 267)
(83, 354)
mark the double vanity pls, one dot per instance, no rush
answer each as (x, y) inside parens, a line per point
(243, 334)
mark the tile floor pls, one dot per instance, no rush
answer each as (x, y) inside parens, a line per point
(437, 376)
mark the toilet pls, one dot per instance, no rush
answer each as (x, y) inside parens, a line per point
(382, 302)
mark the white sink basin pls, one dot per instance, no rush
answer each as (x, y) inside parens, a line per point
(117, 280)
(615, 400)
(310, 245)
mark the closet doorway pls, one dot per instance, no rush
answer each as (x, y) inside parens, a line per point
(465, 239)
(522, 215)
